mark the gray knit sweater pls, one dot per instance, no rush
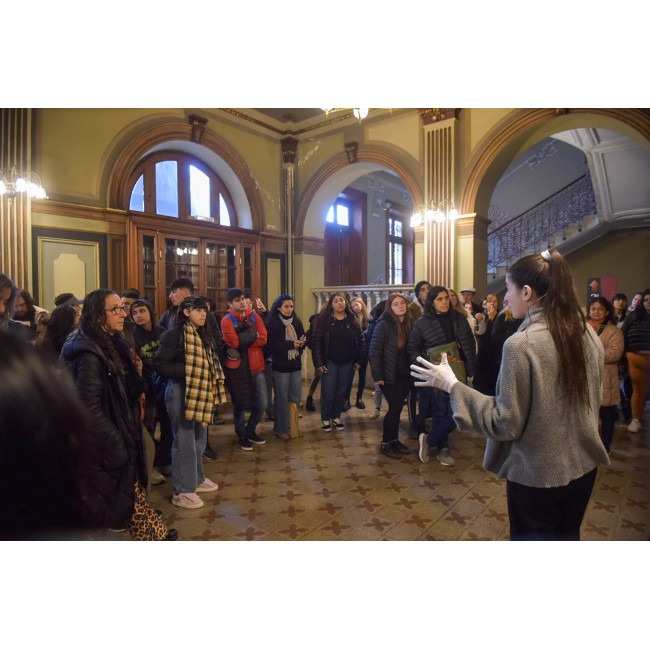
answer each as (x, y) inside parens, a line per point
(533, 436)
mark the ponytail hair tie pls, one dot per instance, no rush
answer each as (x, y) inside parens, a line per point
(546, 255)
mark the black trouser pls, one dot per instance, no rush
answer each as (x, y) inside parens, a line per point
(540, 514)
(608, 417)
(395, 395)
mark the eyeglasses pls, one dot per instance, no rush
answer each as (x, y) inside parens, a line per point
(117, 309)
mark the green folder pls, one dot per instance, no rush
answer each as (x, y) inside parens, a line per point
(453, 358)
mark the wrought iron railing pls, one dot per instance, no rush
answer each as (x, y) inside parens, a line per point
(533, 230)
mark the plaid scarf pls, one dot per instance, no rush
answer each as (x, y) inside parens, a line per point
(290, 335)
(204, 378)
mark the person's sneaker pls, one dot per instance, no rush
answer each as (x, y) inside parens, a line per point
(444, 457)
(389, 449)
(255, 439)
(281, 436)
(634, 426)
(338, 424)
(207, 486)
(326, 425)
(360, 404)
(118, 530)
(156, 477)
(245, 444)
(310, 403)
(209, 453)
(423, 451)
(346, 405)
(375, 415)
(401, 447)
(187, 500)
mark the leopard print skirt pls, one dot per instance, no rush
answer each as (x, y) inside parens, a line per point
(145, 524)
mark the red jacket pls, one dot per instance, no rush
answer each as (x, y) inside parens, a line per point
(255, 355)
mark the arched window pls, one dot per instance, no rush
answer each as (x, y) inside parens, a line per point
(175, 184)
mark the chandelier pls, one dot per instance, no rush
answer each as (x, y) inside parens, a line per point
(437, 212)
(359, 113)
(14, 182)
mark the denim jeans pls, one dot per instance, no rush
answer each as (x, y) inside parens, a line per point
(334, 385)
(288, 388)
(189, 442)
(436, 403)
(259, 398)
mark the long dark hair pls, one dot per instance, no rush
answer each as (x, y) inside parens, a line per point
(196, 302)
(7, 283)
(59, 325)
(431, 296)
(93, 317)
(326, 312)
(43, 426)
(553, 283)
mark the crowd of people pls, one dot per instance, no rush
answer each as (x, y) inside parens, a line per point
(132, 381)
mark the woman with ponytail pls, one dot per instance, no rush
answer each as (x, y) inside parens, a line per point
(542, 425)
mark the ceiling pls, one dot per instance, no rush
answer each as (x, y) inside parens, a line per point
(286, 115)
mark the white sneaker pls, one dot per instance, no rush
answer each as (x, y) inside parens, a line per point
(375, 415)
(634, 426)
(423, 451)
(207, 486)
(444, 457)
(156, 477)
(187, 500)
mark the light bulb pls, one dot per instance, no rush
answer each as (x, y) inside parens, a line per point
(360, 113)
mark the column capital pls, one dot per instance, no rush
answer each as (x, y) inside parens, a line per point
(289, 150)
(432, 115)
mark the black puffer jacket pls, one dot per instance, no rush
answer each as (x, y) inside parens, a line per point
(114, 456)
(428, 332)
(321, 341)
(384, 353)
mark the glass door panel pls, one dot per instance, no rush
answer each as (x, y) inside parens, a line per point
(181, 261)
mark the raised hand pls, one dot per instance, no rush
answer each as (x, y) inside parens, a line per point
(434, 376)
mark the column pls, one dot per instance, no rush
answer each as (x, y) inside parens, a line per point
(15, 213)
(289, 153)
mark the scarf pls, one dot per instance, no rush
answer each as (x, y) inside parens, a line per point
(204, 378)
(290, 335)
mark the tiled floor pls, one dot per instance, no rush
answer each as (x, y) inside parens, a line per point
(337, 486)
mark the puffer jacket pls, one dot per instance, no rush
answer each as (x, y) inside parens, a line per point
(613, 343)
(384, 353)
(428, 332)
(278, 347)
(114, 454)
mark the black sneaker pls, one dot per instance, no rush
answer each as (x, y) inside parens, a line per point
(346, 405)
(209, 453)
(338, 424)
(310, 403)
(360, 404)
(401, 447)
(389, 449)
(255, 439)
(245, 444)
(326, 425)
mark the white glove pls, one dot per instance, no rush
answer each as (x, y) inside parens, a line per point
(440, 376)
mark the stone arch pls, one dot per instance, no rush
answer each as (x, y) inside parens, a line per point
(529, 126)
(213, 149)
(368, 160)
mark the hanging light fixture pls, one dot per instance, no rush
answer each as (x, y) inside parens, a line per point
(437, 212)
(358, 113)
(14, 182)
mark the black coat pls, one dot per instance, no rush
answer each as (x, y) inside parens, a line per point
(277, 346)
(384, 355)
(320, 341)
(428, 332)
(114, 455)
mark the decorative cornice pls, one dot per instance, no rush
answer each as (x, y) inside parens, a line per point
(431, 115)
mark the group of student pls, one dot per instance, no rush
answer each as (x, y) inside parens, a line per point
(541, 418)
